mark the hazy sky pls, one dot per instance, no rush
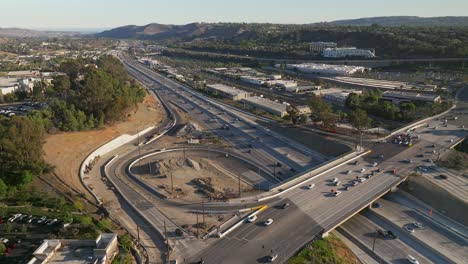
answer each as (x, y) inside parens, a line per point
(112, 13)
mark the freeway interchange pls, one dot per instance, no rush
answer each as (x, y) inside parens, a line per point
(312, 212)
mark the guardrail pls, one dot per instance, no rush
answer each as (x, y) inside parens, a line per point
(232, 228)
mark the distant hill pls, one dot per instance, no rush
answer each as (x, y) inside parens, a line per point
(189, 31)
(28, 33)
(403, 20)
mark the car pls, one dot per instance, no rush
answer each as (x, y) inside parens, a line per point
(381, 232)
(268, 222)
(412, 259)
(349, 172)
(356, 162)
(336, 193)
(251, 218)
(355, 183)
(420, 156)
(381, 156)
(362, 179)
(346, 188)
(376, 205)
(394, 171)
(442, 176)
(408, 161)
(392, 235)
(418, 225)
(285, 205)
(272, 258)
(409, 229)
(362, 170)
(310, 186)
(379, 170)
(335, 180)
(375, 164)
(337, 183)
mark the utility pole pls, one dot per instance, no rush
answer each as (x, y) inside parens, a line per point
(203, 211)
(197, 224)
(375, 238)
(172, 184)
(138, 234)
(239, 185)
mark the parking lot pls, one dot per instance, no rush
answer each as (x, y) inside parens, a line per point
(20, 109)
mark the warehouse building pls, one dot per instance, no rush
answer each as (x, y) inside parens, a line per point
(336, 96)
(319, 47)
(348, 52)
(397, 97)
(263, 104)
(228, 92)
(324, 69)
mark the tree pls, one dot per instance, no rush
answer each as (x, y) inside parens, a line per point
(2, 248)
(407, 110)
(3, 189)
(353, 101)
(61, 85)
(359, 119)
(321, 111)
(294, 114)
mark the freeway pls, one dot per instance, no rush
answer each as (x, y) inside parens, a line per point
(312, 212)
(436, 236)
(391, 250)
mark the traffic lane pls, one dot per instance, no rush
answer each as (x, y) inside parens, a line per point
(253, 242)
(432, 233)
(455, 184)
(391, 250)
(407, 238)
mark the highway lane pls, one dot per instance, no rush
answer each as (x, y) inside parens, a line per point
(408, 239)
(433, 234)
(391, 250)
(293, 148)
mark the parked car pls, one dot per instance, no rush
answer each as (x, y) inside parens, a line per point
(412, 259)
(268, 222)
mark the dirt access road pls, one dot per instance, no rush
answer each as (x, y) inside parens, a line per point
(66, 151)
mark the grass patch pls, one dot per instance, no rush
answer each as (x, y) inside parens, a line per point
(330, 250)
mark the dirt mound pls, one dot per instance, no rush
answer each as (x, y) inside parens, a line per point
(188, 129)
(163, 167)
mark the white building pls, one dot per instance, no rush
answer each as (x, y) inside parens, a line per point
(397, 97)
(319, 47)
(324, 69)
(252, 80)
(229, 92)
(9, 85)
(263, 104)
(98, 251)
(347, 52)
(336, 96)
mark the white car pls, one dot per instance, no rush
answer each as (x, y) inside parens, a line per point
(268, 222)
(337, 183)
(251, 218)
(310, 186)
(362, 179)
(409, 229)
(375, 164)
(349, 172)
(363, 170)
(272, 258)
(336, 193)
(412, 259)
(335, 180)
(418, 225)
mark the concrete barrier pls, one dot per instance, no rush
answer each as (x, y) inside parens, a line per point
(101, 151)
(318, 172)
(232, 228)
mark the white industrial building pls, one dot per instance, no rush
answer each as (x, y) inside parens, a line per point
(263, 104)
(228, 92)
(319, 47)
(303, 89)
(397, 97)
(347, 52)
(252, 80)
(8, 85)
(336, 96)
(324, 69)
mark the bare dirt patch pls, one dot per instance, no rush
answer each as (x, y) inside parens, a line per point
(66, 151)
(193, 179)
